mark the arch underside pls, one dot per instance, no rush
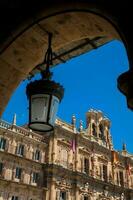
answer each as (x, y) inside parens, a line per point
(74, 33)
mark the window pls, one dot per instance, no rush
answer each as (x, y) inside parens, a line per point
(86, 165)
(101, 135)
(121, 178)
(37, 155)
(18, 173)
(62, 195)
(64, 157)
(35, 177)
(20, 150)
(86, 198)
(1, 168)
(105, 177)
(117, 178)
(94, 131)
(2, 143)
(14, 198)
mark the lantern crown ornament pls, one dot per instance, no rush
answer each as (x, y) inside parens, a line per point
(44, 97)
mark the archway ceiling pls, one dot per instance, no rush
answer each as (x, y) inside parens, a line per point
(74, 33)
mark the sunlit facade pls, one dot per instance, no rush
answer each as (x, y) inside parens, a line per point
(66, 164)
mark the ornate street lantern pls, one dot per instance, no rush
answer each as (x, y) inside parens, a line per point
(44, 97)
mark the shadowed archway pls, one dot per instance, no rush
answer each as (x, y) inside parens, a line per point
(76, 27)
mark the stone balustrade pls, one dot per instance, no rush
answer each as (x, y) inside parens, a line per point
(20, 130)
(63, 124)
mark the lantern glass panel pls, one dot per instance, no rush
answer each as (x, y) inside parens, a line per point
(39, 107)
(53, 110)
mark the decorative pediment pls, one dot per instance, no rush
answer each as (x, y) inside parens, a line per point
(103, 158)
(103, 197)
(84, 150)
(63, 184)
(119, 165)
(85, 189)
(63, 142)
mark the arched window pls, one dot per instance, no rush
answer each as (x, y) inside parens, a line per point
(121, 178)
(20, 150)
(94, 131)
(2, 143)
(64, 157)
(86, 165)
(105, 173)
(85, 197)
(101, 135)
(63, 195)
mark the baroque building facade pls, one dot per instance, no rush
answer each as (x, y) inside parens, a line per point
(66, 164)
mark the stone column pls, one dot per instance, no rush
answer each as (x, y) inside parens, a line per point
(101, 171)
(69, 195)
(90, 128)
(3, 196)
(45, 195)
(94, 196)
(77, 158)
(94, 165)
(77, 194)
(70, 158)
(52, 195)
(50, 150)
(118, 178)
(54, 149)
(9, 197)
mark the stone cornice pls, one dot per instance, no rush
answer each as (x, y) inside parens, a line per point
(22, 134)
(64, 142)
(79, 178)
(22, 185)
(103, 159)
(85, 151)
(63, 132)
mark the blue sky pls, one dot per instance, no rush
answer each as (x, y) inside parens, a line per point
(90, 81)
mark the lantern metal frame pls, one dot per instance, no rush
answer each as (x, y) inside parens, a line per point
(45, 86)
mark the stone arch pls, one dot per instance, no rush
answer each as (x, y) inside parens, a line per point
(101, 131)
(94, 129)
(25, 47)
